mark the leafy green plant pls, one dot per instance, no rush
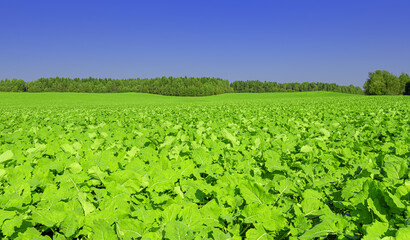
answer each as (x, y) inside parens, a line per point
(300, 166)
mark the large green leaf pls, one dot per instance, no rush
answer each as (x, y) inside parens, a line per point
(130, 228)
(7, 155)
(254, 193)
(69, 225)
(375, 230)
(403, 233)
(176, 230)
(322, 229)
(258, 233)
(5, 215)
(395, 167)
(48, 218)
(101, 229)
(9, 226)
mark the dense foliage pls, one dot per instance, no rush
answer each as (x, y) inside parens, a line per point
(385, 83)
(260, 166)
(167, 86)
(164, 86)
(254, 86)
(14, 85)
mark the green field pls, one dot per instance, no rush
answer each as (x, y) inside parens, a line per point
(233, 166)
(91, 99)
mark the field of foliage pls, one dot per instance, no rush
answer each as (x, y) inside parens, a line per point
(308, 165)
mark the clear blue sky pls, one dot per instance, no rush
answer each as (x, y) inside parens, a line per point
(336, 41)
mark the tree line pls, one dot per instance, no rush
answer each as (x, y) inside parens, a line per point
(254, 86)
(180, 86)
(384, 83)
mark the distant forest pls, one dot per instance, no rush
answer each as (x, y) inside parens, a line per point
(254, 86)
(384, 83)
(378, 83)
(180, 86)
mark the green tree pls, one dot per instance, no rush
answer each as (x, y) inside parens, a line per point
(404, 80)
(385, 83)
(375, 84)
(407, 89)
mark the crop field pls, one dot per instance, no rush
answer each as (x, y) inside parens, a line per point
(309, 165)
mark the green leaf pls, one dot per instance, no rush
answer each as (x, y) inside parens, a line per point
(176, 230)
(311, 201)
(255, 213)
(130, 228)
(7, 155)
(325, 132)
(5, 215)
(87, 206)
(306, 149)
(96, 173)
(68, 148)
(403, 233)
(219, 235)
(9, 226)
(102, 230)
(170, 213)
(75, 167)
(258, 233)
(201, 157)
(179, 192)
(403, 190)
(48, 218)
(272, 161)
(210, 214)
(393, 201)
(275, 222)
(153, 236)
(395, 167)
(3, 173)
(31, 234)
(191, 217)
(377, 208)
(253, 193)
(230, 137)
(77, 146)
(97, 143)
(58, 236)
(301, 224)
(322, 229)
(271, 218)
(69, 225)
(375, 230)
(388, 147)
(168, 141)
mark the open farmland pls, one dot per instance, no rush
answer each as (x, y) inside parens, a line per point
(233, 166)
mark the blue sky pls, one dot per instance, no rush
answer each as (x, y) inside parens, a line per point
(283, 41)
